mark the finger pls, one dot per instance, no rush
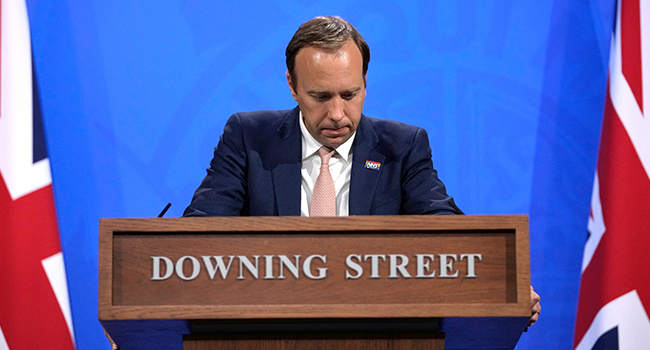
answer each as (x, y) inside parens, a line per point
(534, 297)
(533, 319)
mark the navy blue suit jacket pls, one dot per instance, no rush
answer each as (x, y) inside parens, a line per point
(257, 163)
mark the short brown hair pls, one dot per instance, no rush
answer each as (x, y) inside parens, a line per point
(325, 32)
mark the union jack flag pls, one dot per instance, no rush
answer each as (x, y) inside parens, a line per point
(34, 304)
(614, 300)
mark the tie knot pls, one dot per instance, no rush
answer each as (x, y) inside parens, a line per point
(325, 154)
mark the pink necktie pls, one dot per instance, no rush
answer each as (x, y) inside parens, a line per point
(323, 200)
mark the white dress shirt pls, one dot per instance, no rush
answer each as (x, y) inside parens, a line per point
(340, 168)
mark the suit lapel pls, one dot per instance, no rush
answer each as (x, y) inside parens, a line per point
(363, 180)
(286, 165)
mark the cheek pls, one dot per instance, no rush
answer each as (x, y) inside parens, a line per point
(354, 110)
(316, 114)
(314, 121)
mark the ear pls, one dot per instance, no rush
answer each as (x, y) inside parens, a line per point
(294, 94)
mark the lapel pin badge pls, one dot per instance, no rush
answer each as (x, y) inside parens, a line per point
(372, 165)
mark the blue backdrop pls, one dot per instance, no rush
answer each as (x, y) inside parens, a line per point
(135, 95)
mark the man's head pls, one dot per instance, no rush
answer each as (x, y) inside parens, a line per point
(327, 61)
(328, 33)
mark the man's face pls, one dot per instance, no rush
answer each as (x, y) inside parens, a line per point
(330, 91)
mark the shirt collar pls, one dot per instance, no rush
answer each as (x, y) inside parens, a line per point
(311, 146)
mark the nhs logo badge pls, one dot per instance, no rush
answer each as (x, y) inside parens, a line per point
(372, 165)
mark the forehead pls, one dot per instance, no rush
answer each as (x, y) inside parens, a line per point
(318, 65)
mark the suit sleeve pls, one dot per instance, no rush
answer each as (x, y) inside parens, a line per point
(223, 190)
(422, 190)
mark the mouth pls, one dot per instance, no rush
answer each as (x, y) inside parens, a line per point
(334, 132)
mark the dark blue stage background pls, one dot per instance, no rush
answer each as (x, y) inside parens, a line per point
(135, 95)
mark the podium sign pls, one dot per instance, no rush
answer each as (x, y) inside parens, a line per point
(200, 277)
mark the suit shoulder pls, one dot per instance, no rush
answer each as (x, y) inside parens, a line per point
(262, 119)
(383, 126)
(395, 140)
(260, 128)
(263, 124)
(393, 132)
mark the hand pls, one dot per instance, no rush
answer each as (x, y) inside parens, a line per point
(536, 308)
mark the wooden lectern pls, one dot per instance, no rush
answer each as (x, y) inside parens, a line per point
(373, 282)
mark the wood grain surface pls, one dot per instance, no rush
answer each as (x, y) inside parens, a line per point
(348, 341)
(127, 245)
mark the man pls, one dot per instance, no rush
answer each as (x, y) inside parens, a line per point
(268, 163)
(323, 157)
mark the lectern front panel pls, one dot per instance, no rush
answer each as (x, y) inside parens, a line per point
(315, 267)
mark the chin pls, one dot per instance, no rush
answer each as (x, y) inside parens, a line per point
(335, 141)
(330, 144)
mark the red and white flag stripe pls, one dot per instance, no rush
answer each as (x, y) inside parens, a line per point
(614, 301)
(34, 303)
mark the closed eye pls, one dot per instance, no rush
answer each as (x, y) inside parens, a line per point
(321, 97)
(324, 96)
(348, 95)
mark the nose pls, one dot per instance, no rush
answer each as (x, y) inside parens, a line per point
(336, 110)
